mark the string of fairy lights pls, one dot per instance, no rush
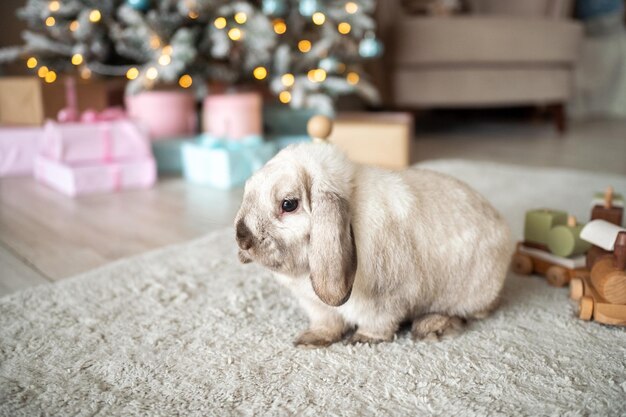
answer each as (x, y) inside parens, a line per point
(235, 28)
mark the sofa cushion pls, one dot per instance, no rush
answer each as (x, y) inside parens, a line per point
(467, 87)
(485, 40)
(525, 8)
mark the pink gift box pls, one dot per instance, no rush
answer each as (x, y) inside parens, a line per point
(95, 177)
(166, 114)
(94, 141)
(233, 116)
(18, 148)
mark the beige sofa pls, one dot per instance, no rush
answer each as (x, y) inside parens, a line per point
(523, 54)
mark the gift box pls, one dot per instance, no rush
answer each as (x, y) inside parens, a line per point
(381, 139)
(90, 178)
(224, 163)
(165, 114)
(94, 141)
(281, 120)
(282, 141)
(168, 155)
(18, 148)
(234, 116)
(28, 101)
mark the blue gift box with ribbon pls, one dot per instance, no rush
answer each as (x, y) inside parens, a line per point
(168, 155)
(224, 163)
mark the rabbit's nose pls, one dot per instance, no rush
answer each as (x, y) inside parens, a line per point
(244, 236)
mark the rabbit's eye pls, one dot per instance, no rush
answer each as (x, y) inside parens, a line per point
(289, 205)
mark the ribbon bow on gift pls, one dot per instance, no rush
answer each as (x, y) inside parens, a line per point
(253, 149)
(69, 115)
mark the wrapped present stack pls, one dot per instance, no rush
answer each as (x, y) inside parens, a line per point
(25, 104)
(232, 145)
(100, 152)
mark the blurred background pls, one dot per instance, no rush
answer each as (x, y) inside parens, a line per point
(133, 124)
(484, 79)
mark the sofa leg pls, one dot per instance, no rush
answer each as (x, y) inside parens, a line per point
(559, 117)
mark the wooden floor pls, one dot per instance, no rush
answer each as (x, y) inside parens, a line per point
(46, 237)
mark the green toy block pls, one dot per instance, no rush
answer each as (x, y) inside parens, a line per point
(539, 222)
(565, 241)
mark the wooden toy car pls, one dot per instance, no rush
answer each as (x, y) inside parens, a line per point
(557, 270)
(602, 294)
(592, 305)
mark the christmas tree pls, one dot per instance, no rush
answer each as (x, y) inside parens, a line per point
(306, 52)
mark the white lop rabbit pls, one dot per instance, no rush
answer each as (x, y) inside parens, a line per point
(369, 248)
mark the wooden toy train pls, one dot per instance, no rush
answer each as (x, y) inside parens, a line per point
(591, 258)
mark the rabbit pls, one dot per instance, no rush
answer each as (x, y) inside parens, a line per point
(371, 249)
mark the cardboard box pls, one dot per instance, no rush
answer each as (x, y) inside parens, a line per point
(381, 139)
(28, 101)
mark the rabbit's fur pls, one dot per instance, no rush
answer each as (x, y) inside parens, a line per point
(373, 248)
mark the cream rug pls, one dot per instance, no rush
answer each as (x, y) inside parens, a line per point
(189, 331)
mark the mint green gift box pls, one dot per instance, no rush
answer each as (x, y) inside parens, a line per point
(223, 163)
(168, 155)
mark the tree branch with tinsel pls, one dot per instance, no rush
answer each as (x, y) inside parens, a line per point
(307, 52)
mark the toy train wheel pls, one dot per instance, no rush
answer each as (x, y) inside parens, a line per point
(557, 276)
(585, 308)
(522, 264)
(576, 289)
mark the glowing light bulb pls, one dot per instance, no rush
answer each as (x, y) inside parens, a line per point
(155, 42)
(318, 18)
(280, 26)
(132, 73)
(260, 73)
(85, 73)
(235, 34)
(74, 26)
(167, 50)
(220, 22)
(95, 16)
(185, 81)
(352, 78)
(193, 14)
(241, 18)
(344, 28)
(54, 6)
(77, 59)
(42, 71)
(316, 75)
(287, 79)
(284, 97)
(351, 7)
(31, 62)
(50, 77)
(165, 60)
(320, 75)
(304, 45)
(152, 73)
(50, 21)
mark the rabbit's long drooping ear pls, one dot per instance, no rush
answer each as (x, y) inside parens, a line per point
(332, 252)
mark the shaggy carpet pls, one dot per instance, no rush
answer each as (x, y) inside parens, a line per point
(187, 330)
